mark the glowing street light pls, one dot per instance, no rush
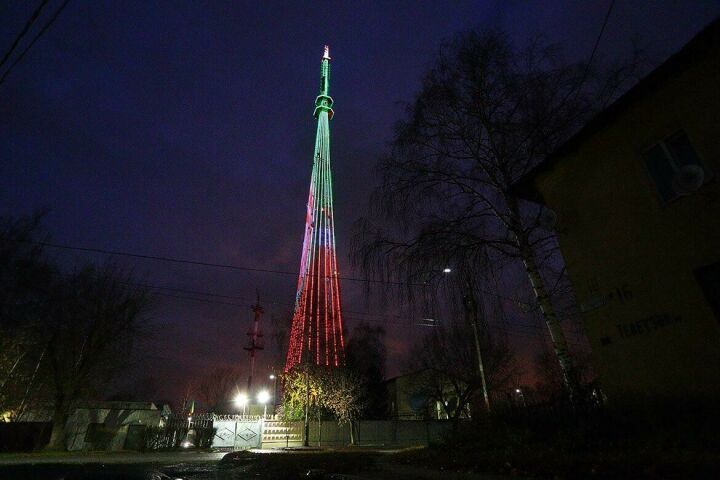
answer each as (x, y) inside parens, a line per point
(447, 270)
(264, 397)
(275, 395)
(242, 400)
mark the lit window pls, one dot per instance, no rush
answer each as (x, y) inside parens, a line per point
(675, 167)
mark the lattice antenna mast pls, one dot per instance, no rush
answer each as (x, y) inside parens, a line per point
(255, 335)
(316, 334)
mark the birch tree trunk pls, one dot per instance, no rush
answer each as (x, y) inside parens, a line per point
(557, 336)
(59, 419)
(552, 321)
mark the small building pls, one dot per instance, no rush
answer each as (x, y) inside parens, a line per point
(404, 399)
(92, 425)
(637, 200)
(408, 397)
(111, 425)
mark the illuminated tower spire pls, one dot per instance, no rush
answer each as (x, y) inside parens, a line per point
(316, 335)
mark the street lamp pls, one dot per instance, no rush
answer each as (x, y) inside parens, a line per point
(263, 398)
(471, 314)
(242, 400)
(275, 395)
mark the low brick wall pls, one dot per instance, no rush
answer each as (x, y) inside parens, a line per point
(24, 436)
(379, 432)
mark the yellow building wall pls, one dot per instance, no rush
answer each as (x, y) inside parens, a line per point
(632, 256)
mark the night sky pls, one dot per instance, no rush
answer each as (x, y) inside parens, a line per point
(185, 129)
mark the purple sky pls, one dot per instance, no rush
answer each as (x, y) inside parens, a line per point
(185, 129)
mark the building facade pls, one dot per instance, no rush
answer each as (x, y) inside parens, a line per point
(637, 200)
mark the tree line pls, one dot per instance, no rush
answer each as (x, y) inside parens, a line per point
(444, 221)
(65, 336)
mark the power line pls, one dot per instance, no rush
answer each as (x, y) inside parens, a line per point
(535, 328)
(230, 297)
(234, 267)
(515, 330)
(165, 259)
(22, 33)
(206, 293)
(277, 302)
(222, 302)
(37, 37)
(602, 30)
(597, 42)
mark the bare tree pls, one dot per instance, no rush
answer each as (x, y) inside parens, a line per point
(96, 318)
(26, 278)
(344, 397)
(366, 355)
(447, 362)
(487, 113)
(63, 337)
(25, 274)
(218, 388)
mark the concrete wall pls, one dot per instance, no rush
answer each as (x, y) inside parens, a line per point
(379, 432)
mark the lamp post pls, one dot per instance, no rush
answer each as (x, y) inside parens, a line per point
(263, 398)
(274, 378)
(306, 425)
(471, 314)
(242, 400)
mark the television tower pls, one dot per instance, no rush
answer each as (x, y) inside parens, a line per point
(316, 334)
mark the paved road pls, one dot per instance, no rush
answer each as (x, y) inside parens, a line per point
(112, 466)
(110, 458)
(186, 466)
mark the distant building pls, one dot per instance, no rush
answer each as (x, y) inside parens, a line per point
(408, 398)
(404, 399)
(637, 199)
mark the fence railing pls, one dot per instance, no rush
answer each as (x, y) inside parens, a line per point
(245, 418)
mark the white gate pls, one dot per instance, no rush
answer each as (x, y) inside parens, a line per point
(238, 433)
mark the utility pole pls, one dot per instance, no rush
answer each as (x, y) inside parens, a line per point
(255, 343)
(471, 316)
(306, 427)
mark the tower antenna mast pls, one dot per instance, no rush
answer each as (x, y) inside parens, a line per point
(255, 338)
(316, 334)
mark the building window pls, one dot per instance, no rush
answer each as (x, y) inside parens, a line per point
(675, 167)
(709, 279)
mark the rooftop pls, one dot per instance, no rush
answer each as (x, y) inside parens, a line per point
(676, 63)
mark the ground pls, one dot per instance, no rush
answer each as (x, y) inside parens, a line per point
(320, 464)
(460, 462)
